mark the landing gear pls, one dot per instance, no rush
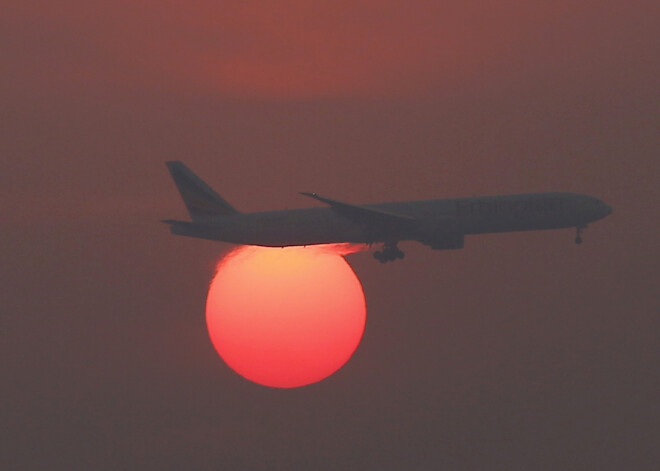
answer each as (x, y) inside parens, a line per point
(578, 235)
(390, 253)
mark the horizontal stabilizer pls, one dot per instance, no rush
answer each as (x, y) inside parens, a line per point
(192, 229)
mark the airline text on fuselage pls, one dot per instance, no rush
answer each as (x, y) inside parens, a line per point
(489, 206)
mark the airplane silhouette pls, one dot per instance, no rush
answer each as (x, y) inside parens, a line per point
(440, 224)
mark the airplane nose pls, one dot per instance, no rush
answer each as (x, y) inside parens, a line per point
(601, 209)
(605, 210)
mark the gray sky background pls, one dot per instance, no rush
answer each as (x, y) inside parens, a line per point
(519, 351)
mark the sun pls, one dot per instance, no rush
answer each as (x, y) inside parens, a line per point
(285, 317)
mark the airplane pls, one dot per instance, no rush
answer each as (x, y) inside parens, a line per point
(440, 224)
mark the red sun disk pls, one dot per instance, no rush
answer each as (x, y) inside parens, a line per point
(285, 317)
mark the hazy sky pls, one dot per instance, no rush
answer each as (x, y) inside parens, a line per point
(521, 351)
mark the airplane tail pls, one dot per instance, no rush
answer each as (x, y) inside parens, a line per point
(201, 201)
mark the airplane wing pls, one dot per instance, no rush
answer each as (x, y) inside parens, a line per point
(364, 215)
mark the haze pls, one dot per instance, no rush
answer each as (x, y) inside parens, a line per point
(519, 351)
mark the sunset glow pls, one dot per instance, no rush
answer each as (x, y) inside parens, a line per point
(285, 317)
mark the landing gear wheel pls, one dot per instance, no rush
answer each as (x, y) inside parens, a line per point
(380, 256)
(389, 254)
(578, 240)
(578, 235)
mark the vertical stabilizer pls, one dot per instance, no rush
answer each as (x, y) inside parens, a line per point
(201, 201)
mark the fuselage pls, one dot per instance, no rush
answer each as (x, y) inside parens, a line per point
(433, 222)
